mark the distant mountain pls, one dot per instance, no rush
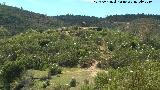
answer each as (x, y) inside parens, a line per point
(78, 20)
(18, 20)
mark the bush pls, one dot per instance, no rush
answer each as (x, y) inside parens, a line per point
(11, 71)
(22, 84)
(54, 69)
(67, 59)
(101, 80)
(45, 83)
(122, 58)
(86, 62)
(73, 82)
(137, 76)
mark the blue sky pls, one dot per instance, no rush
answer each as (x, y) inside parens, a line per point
(83, 7)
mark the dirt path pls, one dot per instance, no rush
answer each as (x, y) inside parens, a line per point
(93, 69)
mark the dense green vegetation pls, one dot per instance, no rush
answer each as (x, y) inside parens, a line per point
(34, 54)
(45, 51)
(17, 20)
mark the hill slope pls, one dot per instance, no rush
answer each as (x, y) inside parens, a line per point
(18, 20)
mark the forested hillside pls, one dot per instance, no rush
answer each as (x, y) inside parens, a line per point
(36, 55)
(17, 20)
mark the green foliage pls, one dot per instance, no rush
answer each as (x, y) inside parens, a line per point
(138, 76)
(17, 20)
(101, 80)
(35, 50)
(67, 59)
(125, 57)
(38, 51)
(87, 87)
(33, 61)
(54, 69)
(132, 59)
(126, 49)
(86, 62)
(61, 87)
(73, 82)
(45, 83)
(9, 72)
(154, 42)
(4, 33)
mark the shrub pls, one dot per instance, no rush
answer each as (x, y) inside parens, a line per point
(122, 58)
(66, 59)
(45, 83)
(73, 82)
(137, 76)
(101, 80)
(43, 43)
(11, 70)
(55, 69)
(22, 84)
(85, 62)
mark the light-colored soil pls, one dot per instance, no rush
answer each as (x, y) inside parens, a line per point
(93, 70)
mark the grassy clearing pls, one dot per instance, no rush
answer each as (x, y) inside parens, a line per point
(68, 73)
(64, 79)
(38, 74)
